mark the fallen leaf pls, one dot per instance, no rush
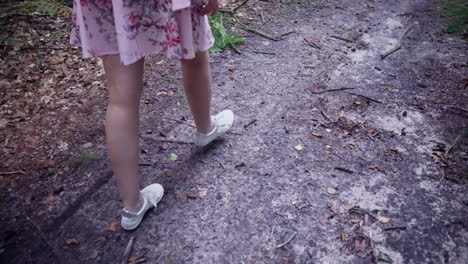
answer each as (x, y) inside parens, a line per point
(169, 173)
(40, 212)
(170, 93)
(342, 236)
(231, 78)
(317, 135)
(133, 258)
(192, 196)
(51, 162)
(356, 220)
(162, 133)
(50, 197)
(87, 145)
(230, 68)
(113, 226)
(202, 193)
(71, 241)
(164, 146)
(255, 149)
(331, 190)
(294, 21)
(173, 156)
(333, 208)
(342, 114)
(178, 197)
(348, 207)
(328, 146)
(374, 167)
(353, 144)
(299, 147)
(384, 220)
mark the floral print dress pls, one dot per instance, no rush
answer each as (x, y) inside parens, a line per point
(136, 28)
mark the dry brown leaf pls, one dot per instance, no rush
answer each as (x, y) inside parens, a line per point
(230, 68)
(113, 227)
(331, 190)
(348, 207)
(356, 220)
(87, 145)
(192, 196)
(71, 241)
(384, 220)
(353, 144)
(299, 147)
(342, 114)
(317, 135)
(178, 197)
(333, 208)
(169, 173)
(342, 236)
(133, 258)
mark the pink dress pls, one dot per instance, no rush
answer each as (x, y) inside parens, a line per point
(136, 28)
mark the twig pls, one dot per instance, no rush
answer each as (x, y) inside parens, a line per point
(145, 164)
(344, 169)
(239, 6)
(180, 122)
(312, 44)
(343, 39)
(13, 172)
(395, 228)
(128, 250)
(334, 90)
(287, 33)
(397, 46)
(368, 98)
(458, 108)
(261, 16)
(326, 117)
(287, 241)
(236, 50)
(261, 34)
(262, 52)
(250, 123)
(168, 140)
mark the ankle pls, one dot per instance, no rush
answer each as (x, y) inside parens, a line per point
(208, 129)
(134, 207)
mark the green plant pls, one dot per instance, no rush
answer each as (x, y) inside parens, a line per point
(41, 7)
(457, 14)
(223, 39)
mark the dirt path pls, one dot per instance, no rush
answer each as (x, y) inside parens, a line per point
(308, 175)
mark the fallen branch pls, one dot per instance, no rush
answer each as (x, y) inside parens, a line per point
(395, 228)
(288, 33)
(128, 250)
(180, 122)
(343, 39)
(261, 34)
(344, 169)
(334, 90)
(397, 46)
(312, 44)
(287, 241)
(262, 52)
(12, 172)
(326, 116)
(458, 108)
(167, 140)
(250, 123)
(368, 98)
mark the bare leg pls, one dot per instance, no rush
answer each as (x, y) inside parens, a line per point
(197, 85)
(122, 123)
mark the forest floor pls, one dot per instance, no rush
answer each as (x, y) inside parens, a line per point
(336, 155)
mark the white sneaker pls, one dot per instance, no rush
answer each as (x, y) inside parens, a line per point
(223, 121)
(151, 196)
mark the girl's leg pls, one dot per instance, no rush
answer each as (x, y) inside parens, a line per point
(197, 85)
(122, 122)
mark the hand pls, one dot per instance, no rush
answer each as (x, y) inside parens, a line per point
(210, 8)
